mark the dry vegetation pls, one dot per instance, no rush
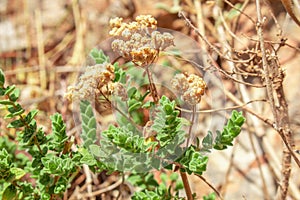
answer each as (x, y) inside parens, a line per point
(44, 44)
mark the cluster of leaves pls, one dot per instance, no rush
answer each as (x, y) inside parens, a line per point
(46, 158)
(225, 138)
(168, 188)
(128, 150)
(124, 147)
(194, 159)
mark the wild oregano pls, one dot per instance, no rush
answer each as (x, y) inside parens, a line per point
(149, 132)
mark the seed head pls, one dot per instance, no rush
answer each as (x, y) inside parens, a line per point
(191, 87)
(118, 89)
(139, 41)
(91, 81)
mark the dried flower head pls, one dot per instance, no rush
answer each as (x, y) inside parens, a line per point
(93, 79)
(119, 90)
(191, 87)
(139, 41)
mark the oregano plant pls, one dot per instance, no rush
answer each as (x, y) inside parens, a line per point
(149, 133)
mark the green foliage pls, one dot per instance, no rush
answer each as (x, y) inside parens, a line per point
(98, 56)
(167, 124)
(124, 146)
(193, 161)
(121, 149)
(58, 136)
(88, 123)
(151, 189)
(51, 164)
(225, 138)
(211, 196)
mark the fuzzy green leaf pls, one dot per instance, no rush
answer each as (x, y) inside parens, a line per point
(207, 142)
(87, 157)
(99, 56)
(211, 196)
(89, 125)
(193, 161)
(95, 150)
(167, 124)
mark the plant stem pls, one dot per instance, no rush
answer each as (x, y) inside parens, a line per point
(191, 127)
(153, 90)
(123, 114)
(186, 185)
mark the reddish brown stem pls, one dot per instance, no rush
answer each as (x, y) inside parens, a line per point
(186, 185)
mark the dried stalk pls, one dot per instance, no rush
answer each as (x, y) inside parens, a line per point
(226, 49)
(279, 108)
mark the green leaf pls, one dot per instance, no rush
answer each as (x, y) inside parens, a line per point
(61, 185)
(17, 172)
(142, 98)
(95, 150)
(148, 104)
(134, 106)
(45, 178)
(16, 124)
(30, 116)
(99, 56)
(16, 109)
(2, 78)
(87, 157)
(45, 196)
(9, 89)
(6, 102)
(168, 109)
(211, 196)
(9, 193)
(207, 141)
(14, 95)
(2, 91)
(131, 92)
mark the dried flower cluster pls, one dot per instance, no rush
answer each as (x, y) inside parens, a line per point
(119, 90)
(139, 41)
(91, 81)
(191, 87)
